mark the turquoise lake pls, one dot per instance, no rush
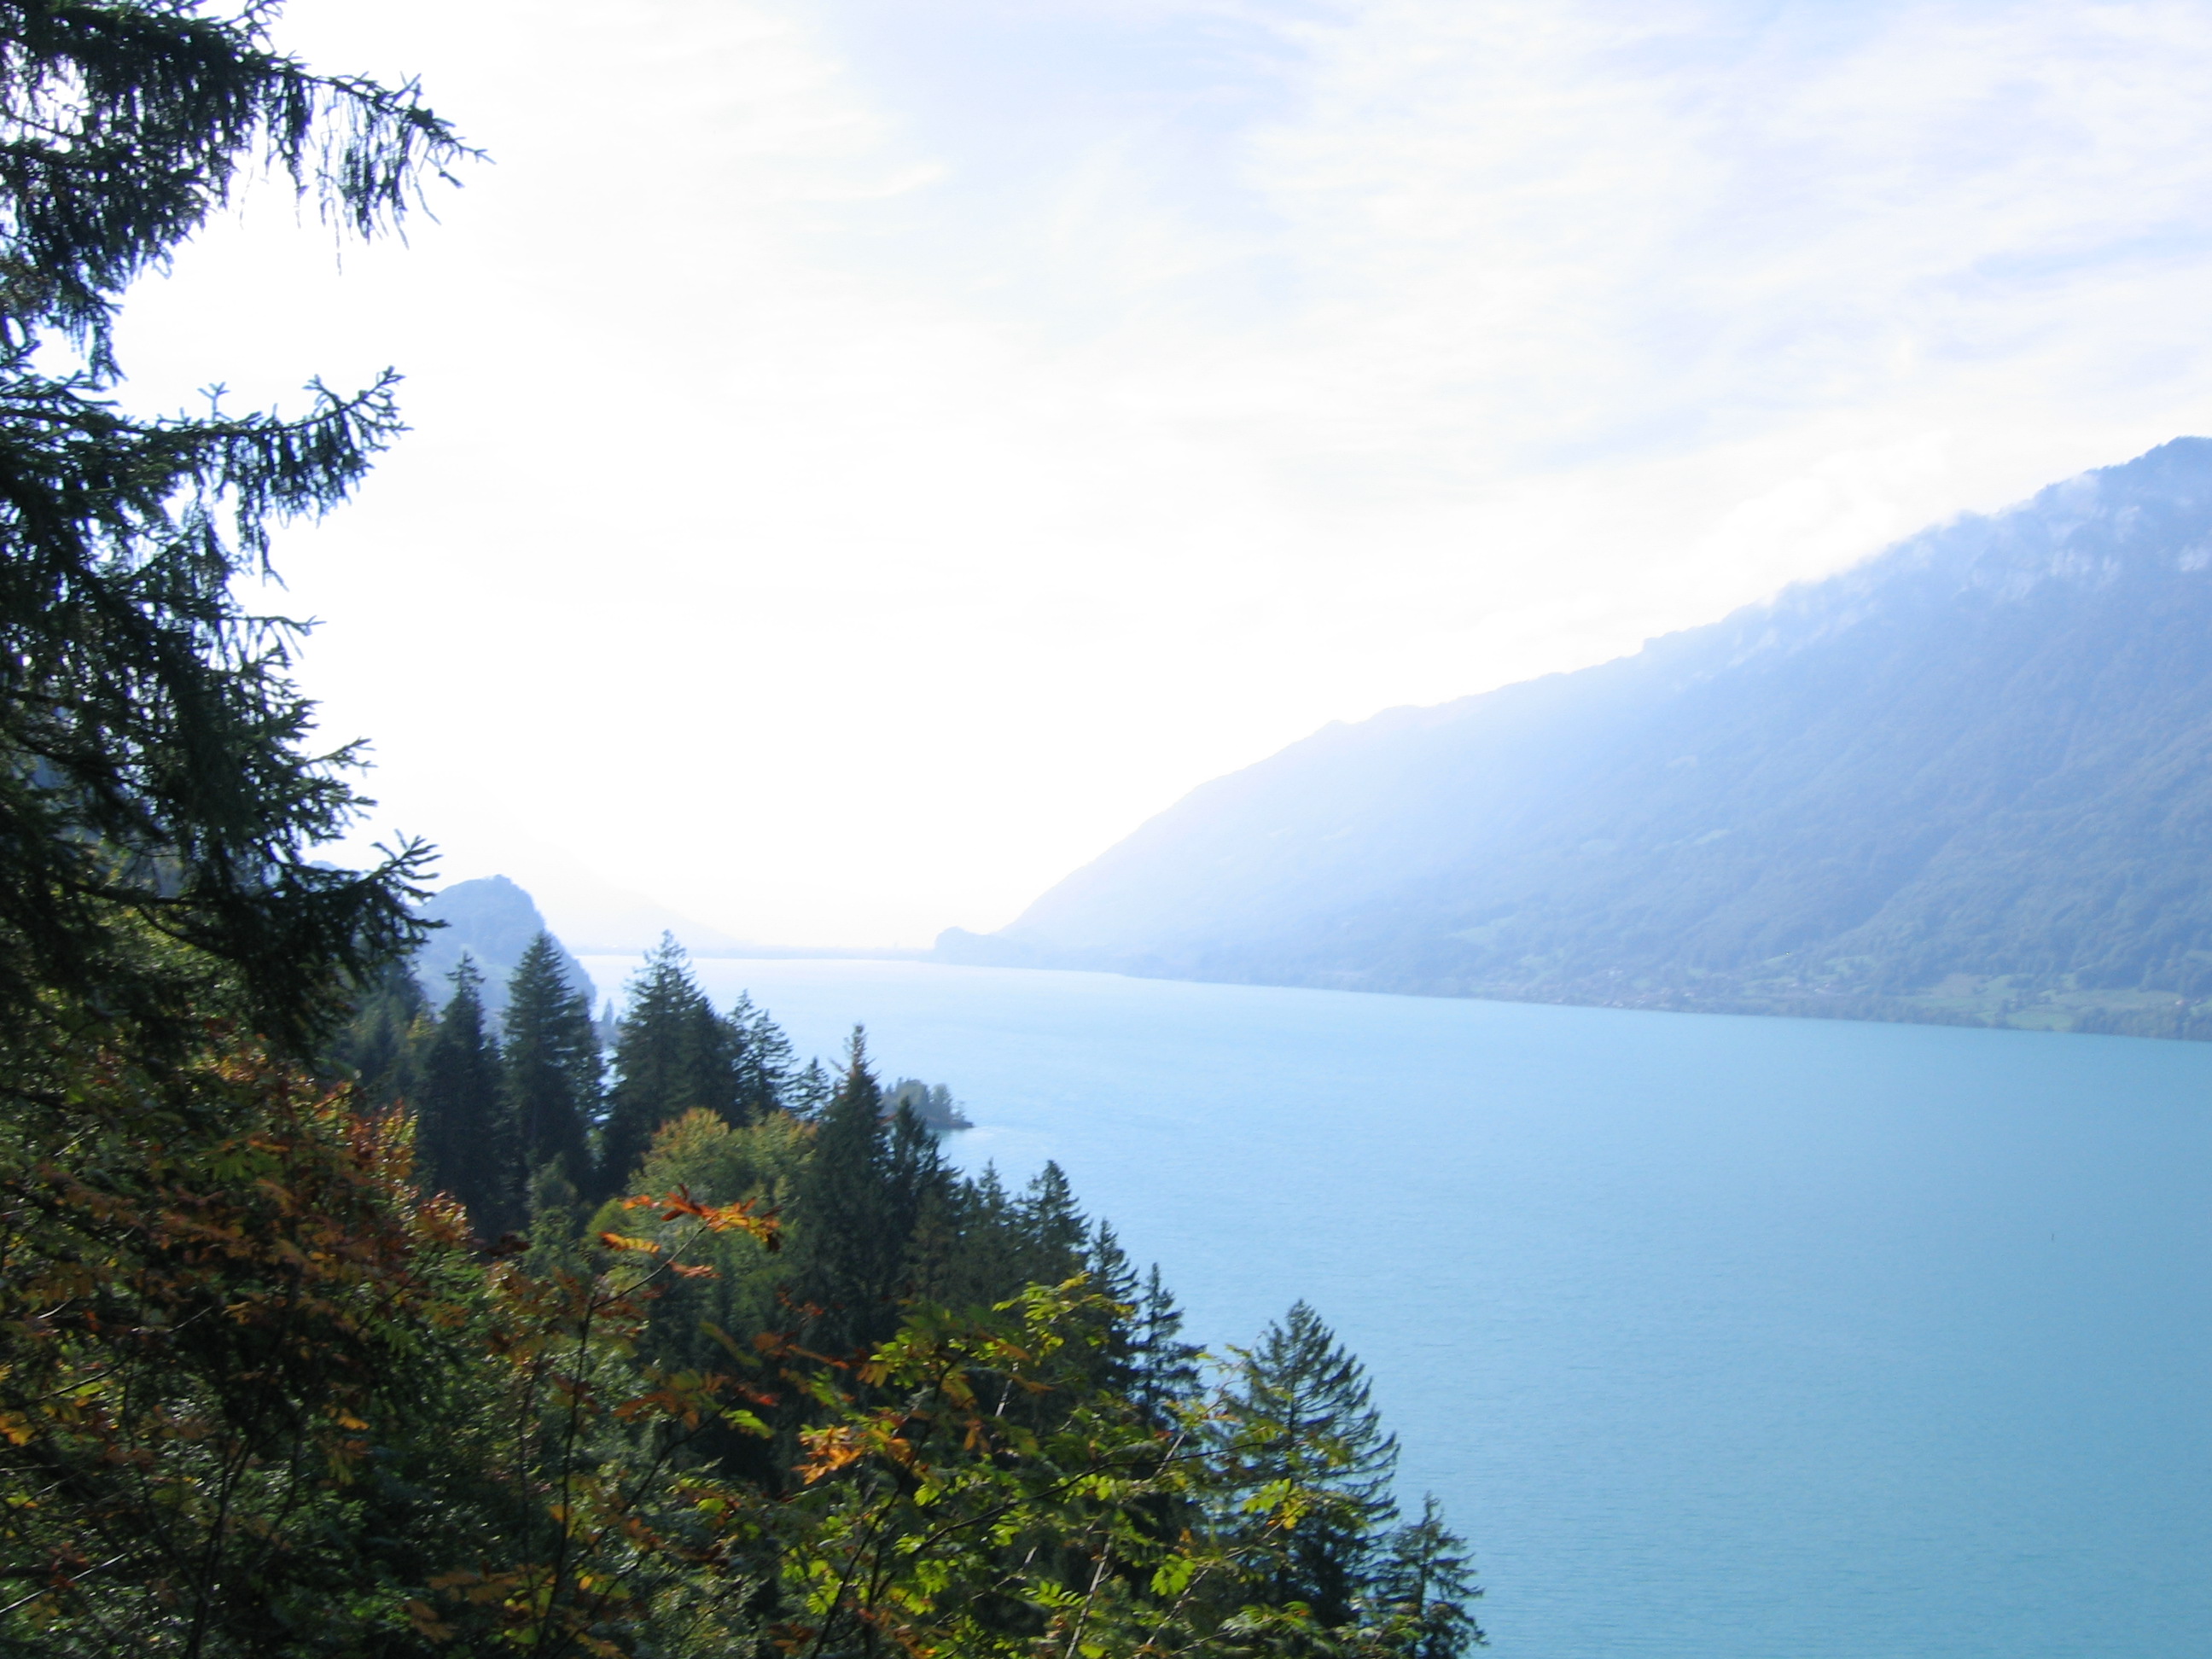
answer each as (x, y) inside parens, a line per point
(1733, 1337)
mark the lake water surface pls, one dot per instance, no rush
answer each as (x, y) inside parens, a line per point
(1733, 1337)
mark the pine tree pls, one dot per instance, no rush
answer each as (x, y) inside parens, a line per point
(807, 1094)
(1423, 1587)
(968, 1249)
(1163, 1368)
(1054, 1230)
(672, 1055)
(915, 1171)
(1299, 1430)
(1112, 1275)
(853, 1238)
(380, 1046)
(156, 790)
(463, 1137)
(551, 1071)
(760, 1059)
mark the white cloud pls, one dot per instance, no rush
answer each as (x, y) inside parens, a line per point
(868, 456)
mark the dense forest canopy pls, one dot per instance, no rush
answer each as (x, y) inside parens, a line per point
(334, 1322)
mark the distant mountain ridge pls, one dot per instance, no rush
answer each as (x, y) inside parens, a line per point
(1968, 779)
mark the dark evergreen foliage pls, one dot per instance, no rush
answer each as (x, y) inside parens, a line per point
(965, 1241)
(379, 1048)
(127, 123)
(852, 1247)
(1109, 1270)
(153, 778)
(464, 1140)
(256, 1396)
(1052, 1223)
(1299, 1413)
(673, 1054)
(1162, 1367)
(551, 1071)
(880, 1217)
(888, 1244)
(760, 1061)
(808, 1094)
(1426, 1582)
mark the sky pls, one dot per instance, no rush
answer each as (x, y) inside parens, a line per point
(869, 455)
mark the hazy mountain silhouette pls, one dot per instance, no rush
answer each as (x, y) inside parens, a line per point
(493, 921)
(1967, 779)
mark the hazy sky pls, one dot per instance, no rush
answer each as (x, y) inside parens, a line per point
(869, 455)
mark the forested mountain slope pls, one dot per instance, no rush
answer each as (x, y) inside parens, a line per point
(1968, 779)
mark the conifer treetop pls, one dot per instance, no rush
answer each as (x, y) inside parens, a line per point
(123, 123)
(157, 785)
